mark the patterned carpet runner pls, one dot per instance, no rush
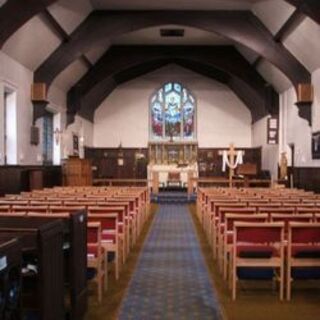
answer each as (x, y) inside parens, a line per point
(171, 280)
(173, 197)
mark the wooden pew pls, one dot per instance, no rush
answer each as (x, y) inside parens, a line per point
(42, 239)
(10, 277)
(75, 241)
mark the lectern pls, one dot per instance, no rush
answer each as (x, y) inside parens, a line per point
(247, 170)
(77, 172)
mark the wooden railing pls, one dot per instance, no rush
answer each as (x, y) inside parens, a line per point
(120, 182)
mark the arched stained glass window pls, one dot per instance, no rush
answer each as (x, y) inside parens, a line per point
(172, 113)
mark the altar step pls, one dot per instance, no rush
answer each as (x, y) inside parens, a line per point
(173, 197)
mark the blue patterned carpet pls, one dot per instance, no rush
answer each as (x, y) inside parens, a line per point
(171, 280)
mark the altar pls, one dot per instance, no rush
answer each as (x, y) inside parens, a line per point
(159, 174)
(168, 158)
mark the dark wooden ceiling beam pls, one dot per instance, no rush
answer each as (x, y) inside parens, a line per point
(120, 63)
(15, 13)
(55, 26)
(310, 8)
(287, 28)
(62, 34)
(240, 27)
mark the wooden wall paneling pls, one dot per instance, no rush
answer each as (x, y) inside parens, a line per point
(14, 179)
(106, 164)
(44, 240)
(10, 277)
(210, 162)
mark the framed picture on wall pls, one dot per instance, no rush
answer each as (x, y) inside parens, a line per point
(273, 130)
(75, 143)
(315, 145)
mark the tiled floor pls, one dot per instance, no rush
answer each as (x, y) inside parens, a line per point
(171, 280)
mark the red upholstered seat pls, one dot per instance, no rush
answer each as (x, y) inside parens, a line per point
(303, 249)
(244, 249)
(258, 245)
(108, 237)
(96, 256)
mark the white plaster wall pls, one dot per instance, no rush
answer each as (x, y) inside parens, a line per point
(20, 78)
(269, 152)
(1, 119)
(16, 76)
(297, 130)
(84, 130)
(124, 115)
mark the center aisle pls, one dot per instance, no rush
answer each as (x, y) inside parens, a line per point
(171, 280)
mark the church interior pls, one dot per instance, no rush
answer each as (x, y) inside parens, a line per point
(159, 159)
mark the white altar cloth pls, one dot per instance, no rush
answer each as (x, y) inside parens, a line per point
(164, 170)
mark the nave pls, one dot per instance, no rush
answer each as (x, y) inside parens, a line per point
(171, 278)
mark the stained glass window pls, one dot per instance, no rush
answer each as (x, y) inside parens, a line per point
(172, 113)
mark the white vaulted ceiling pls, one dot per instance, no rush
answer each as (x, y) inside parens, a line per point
(173, 4)
(69, 76)
(273, 13)
(70, 14)
(32, 43)
(151, 36)
(305, 45)
(37, 39)
(274, 76)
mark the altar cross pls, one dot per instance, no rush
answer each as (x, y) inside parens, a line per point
(232, 156)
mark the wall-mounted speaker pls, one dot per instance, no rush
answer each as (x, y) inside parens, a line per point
(34, 135)
(38, 92)
(305, 93)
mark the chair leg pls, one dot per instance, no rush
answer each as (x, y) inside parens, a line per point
(281, 282)
(234, 284)
(100, 284)
(225, 264)
(116, 262)
(233, 280)
(106, 272)
(288, 282)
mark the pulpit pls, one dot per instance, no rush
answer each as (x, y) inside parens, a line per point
(247, 170)
(77, 172)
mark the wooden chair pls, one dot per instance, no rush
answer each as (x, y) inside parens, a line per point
(317, 217)
(227, 235)
(223, 211)
(62, 209)
(13, 214)
(303, 249)
(109, 236)
(287, 218)
(257, 245)
(122, 230)
(40, 209)
(214, 231)
(96, 256)
(279, 210)
(5, 208)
